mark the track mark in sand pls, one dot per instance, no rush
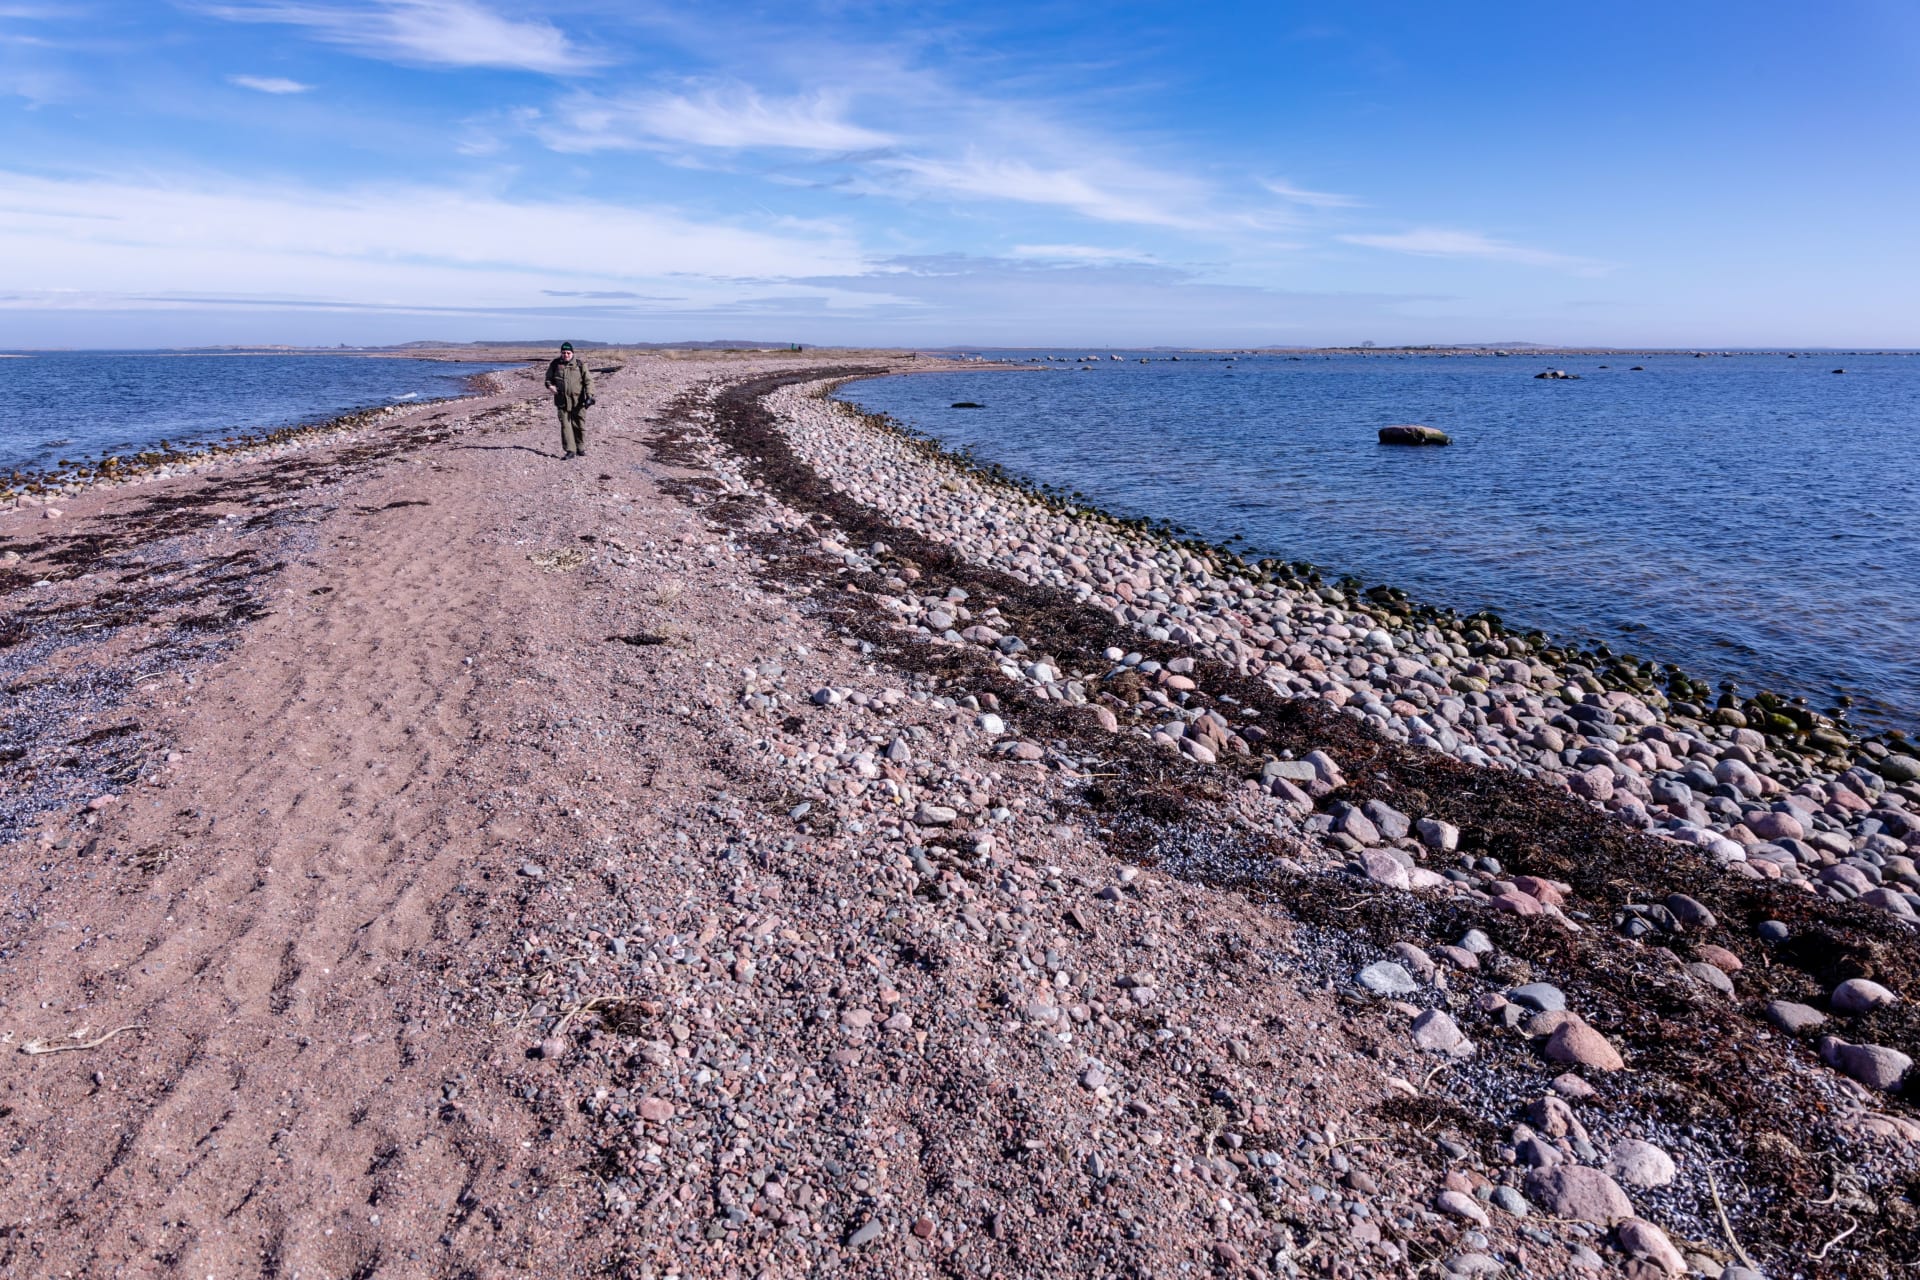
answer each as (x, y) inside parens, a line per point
(283, 993)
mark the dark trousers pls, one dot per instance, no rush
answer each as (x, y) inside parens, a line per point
(573, 431)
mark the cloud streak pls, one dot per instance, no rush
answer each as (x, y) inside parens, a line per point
(727, 119)
(1312, 199)
(1438, 242)
(436, 33)
(1108, 193)
(393, 244)
(270, 84)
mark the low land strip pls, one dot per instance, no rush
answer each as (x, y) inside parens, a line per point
(770, 847)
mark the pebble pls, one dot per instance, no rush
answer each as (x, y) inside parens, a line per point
(1572, 1086)
(1639, 1238)
(1382, 868)
(1860, 995)
(1711, 976)
(1436, 1032)
(1719, 957)
(1690, 912)
(1794, 1018)
(1539, 996)
(1640, 1164)
(1575, 1191)
(1873, 1065)
(1385, 978)
(1578, 1043)
(1460, 1206)
(934, 815)
(1509, 1201)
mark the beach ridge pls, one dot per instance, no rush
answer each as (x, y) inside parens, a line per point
(770, 844)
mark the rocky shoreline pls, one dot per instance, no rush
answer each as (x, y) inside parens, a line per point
(45, 489)
(1210, 686)
(1767, 786)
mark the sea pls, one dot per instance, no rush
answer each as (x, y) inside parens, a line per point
(1752, 517)
(84, 406)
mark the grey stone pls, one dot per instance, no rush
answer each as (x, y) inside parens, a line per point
(1712, 977)
(1294, 771)
(1794, 1018)
(1690, 912)
(1387, 979)
(1873, 1065)
(1900, 768)
(1509, 1201)
(1349, 821)
(1541, 996)
(1860, 995)
(1390, 822)
(1640, 1164)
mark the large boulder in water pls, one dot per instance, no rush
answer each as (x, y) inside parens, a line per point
(1414, 435)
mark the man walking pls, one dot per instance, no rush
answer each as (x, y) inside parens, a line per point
(572, 388)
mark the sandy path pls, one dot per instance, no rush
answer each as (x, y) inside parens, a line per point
(360, 782)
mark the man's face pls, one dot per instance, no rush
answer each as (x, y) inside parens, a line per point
(566, 355)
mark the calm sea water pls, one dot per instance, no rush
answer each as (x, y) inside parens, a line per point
(85, 405)
(1753, 517)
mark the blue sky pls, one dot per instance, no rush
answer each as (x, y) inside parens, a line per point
(1701, 173)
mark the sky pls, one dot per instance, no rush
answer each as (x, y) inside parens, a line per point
(1709, 173)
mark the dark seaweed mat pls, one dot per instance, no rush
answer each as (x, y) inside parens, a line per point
(1706, 1072)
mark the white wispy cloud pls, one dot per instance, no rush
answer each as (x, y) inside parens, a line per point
(1078, 253)
(270, 84)
(1438, 242)
(1106, 193)
(385, 245)
(1312, 199)
(446, 33)
(731, 119)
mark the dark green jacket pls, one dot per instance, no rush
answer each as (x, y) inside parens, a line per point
(570, 382)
